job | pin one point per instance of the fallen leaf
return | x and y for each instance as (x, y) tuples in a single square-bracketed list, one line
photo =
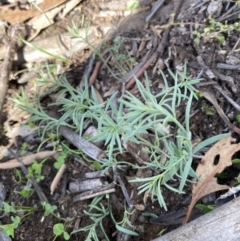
[(18, 15), (42, 21), (22, 131), (140, 207), (215, 161)]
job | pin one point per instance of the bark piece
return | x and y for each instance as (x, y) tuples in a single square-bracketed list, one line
[(220, 224), (82, 186)]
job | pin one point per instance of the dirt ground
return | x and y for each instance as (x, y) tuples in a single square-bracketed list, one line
[(204, 36)]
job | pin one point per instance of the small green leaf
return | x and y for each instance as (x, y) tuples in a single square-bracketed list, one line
[(31, 124), (49, 208), (16, 220), (96, 165), (58, 229), (133, 4), (235, 161), (8, 208), (66, 236), (26, 192), (222, 175), (221, 39), (8, 229), (238, 118), (205, 208), (60, 159)]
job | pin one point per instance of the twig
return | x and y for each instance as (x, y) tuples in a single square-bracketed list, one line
[(229, 99), (94, 73), (210, 97), (228, 79), (228, 66), (87, 71), (27, 160), (57, 178), (228, 14), (12, 46), (154, 9), (97, 192), (40, 193), (87, 147), (124, 190)]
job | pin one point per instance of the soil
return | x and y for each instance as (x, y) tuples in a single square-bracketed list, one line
[(202, 59)]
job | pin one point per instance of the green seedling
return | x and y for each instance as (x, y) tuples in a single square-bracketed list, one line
[(35, 171), (156, 113), (122, 61), (125, 225), (96, 212), (82, 35), (216, 30), (49, 209), (8, 208), (18, 175), (22, 212), (175, 164), (24, 148), (238, 118), (8, 229), (18, 209), (58, 230), (17, 219), (61, 159), (51, 137), (207, 109), (96, 166), (26, 192)]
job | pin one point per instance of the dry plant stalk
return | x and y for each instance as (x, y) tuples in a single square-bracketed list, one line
[(26, 160), (12, 43), (57, 178)]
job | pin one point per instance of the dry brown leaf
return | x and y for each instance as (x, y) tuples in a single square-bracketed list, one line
[(18, 16), (26, 160), (140, 207), (215, 161), (42, 21)]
